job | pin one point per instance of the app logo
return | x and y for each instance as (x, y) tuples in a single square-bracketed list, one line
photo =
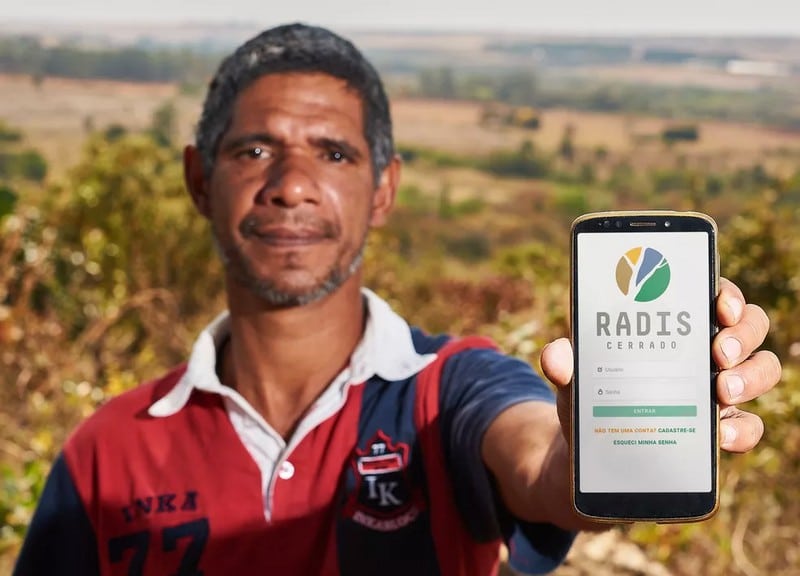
[(643, 274)]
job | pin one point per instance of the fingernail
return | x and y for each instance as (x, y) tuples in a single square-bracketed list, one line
[(728, 435), (735, 385), (732, 349), (735, 306)]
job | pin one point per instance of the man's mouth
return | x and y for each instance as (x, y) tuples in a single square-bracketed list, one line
[(288, 234), (284, 236)]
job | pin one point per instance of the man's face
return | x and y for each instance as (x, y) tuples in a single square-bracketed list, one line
[(292, 193)]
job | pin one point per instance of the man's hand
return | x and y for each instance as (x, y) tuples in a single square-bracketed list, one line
[(744, 375)]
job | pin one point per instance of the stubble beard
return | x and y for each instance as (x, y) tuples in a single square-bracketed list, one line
[(267, 289)]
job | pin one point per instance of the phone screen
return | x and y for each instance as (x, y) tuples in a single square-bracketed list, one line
[(642, 332)]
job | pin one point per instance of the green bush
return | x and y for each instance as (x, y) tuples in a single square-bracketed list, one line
[(525, 162), (8, 134), (8, 199), (28, 165), (680, 133)]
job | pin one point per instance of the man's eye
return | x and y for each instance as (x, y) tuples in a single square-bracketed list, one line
[(255, 152), (337, 156)]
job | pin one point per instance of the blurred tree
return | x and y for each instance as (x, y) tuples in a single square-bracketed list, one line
[(164, 124), (680, 133), (566, 148), (129, 234), (8, 199), (31, 165), (9, 134), (114, 132), (27, 164), (525, 162), (438, 83), (519, 88)]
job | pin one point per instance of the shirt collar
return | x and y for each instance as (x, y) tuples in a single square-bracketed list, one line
[(386, 350)]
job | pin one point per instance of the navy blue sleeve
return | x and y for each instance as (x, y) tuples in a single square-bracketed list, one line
[(60, 538), (476, 386)]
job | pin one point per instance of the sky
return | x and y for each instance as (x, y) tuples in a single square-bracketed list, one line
[(748, 17)]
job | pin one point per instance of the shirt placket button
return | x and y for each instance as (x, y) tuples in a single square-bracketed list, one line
[(286, 471)]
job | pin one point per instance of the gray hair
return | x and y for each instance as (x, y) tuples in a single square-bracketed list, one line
[(296, 48)]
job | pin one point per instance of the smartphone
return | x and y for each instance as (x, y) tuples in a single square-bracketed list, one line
[(645, 418)]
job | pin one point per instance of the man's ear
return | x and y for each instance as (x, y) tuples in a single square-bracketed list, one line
[(385, 193), (195, 179)]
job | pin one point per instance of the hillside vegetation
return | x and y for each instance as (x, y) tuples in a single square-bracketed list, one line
[(106, 275)]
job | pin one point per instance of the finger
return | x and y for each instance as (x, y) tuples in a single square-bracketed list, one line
[(730, 303), (557, 362), (755, 376), (735, 343), (740, 431)]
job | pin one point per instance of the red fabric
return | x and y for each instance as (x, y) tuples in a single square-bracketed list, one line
[(458, 553), (145, 479)]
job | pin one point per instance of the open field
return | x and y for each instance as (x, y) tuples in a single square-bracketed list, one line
[(56, 115), (454, 126)]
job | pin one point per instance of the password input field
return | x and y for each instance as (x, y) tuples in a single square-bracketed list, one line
[(641, 390)]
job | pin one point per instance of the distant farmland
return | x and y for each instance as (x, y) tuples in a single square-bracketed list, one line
[(56, 114)]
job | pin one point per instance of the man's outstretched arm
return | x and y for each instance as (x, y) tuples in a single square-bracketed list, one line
[(526, 449)]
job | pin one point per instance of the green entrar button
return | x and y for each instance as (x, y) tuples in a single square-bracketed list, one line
[(644, 411)]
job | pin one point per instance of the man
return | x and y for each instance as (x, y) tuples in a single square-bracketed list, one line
[(312, 431)]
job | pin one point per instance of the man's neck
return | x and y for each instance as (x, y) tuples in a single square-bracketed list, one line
[(281, 360)]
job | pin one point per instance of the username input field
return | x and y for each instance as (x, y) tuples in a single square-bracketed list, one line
[(642, 370)]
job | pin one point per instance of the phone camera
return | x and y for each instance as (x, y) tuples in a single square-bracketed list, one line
[(618, 224), (606, 224), (667, 224)]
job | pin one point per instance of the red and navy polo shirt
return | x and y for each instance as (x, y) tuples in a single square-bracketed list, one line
[(383, 475)]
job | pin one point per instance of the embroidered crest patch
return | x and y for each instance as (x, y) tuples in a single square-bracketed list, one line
[(383, 498)]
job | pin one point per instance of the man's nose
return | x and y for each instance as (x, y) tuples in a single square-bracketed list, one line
[(291, 182)]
